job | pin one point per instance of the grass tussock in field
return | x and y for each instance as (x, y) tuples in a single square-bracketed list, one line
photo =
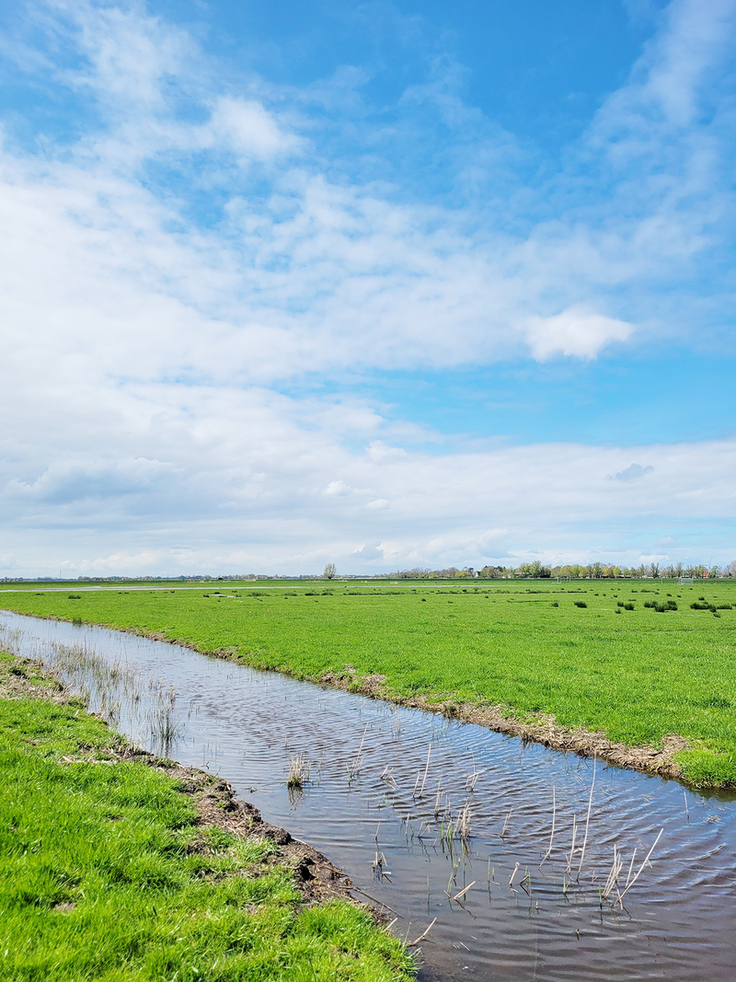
[(590, 654), (107, 872)]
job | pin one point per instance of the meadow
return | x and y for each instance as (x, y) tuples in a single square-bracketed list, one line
[(106, 872), (637, 660)]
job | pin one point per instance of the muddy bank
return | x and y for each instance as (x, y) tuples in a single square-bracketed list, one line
[(217, 806), (541, 728), (213, 798)]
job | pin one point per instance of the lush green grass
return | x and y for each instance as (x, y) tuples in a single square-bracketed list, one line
[(96, 881), (638, 675)]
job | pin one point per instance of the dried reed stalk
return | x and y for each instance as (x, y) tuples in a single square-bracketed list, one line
[(426, 771), (552, 833), (587, 820), (461, 894), (612, 880), (639, 871), (422, 936), (511, 878), (568, 869)]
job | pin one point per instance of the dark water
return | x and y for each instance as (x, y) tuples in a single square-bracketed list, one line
[(364, 802)]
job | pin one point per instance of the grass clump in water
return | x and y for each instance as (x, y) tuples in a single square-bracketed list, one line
[(299, 771)]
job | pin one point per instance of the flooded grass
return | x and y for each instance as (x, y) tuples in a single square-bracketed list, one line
[(103, 686), (105, 871), (636, 678)]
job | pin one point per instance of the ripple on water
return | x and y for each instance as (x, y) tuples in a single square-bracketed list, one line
[(362, 806)]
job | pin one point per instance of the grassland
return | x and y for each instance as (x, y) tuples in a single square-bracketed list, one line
[(576, 651), (108, 872)]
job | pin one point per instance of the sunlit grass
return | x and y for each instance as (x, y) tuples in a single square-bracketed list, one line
[(96, 881), (636, 674)]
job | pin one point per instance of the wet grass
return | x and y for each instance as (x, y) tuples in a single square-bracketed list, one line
[(635, 673), (96, 881)]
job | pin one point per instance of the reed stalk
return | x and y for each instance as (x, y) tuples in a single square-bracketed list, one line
[(299, 771), (513, 875), (461, 894), (587, 820), (568, 868), (612, 880), (552, 834), (426, 771), (639, 871)]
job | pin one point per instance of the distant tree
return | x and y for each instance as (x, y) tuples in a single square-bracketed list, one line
[(730, 570), (444, 574), (492, 572), (654, 569), (534, 570), (330, 571)]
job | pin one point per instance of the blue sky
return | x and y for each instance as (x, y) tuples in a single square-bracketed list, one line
[(381, 284)]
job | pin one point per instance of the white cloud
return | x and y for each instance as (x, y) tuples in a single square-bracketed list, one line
[(249, 129), (140, 339), (576, 332), (369, 552), (670, 74), (244, 485), (319, 274), (380, 504), (337, 487)]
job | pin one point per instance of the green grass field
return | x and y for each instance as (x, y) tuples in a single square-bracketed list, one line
[(97, 882), (636, 674)]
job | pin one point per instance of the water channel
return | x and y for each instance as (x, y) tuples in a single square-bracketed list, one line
[(437, 819)]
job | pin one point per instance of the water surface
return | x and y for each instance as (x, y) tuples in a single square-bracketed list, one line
[(378, 810)]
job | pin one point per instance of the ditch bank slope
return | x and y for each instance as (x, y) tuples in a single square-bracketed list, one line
[(138, 865)]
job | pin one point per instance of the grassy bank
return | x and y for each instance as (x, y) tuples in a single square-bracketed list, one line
[(613, 657), (116, 867)]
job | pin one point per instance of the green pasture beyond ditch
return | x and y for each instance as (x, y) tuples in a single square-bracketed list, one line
[(105, 872), (575, 650)]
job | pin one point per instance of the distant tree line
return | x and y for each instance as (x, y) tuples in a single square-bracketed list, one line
[(530, 571), (575, 571)]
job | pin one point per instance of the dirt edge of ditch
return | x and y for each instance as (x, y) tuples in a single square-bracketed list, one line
[(540, 728), (213, 798)]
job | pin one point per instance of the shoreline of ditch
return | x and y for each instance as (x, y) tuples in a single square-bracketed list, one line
[(540, 728), (214, 798)]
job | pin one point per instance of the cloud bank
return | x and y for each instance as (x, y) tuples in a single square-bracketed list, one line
[(200, 244)]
